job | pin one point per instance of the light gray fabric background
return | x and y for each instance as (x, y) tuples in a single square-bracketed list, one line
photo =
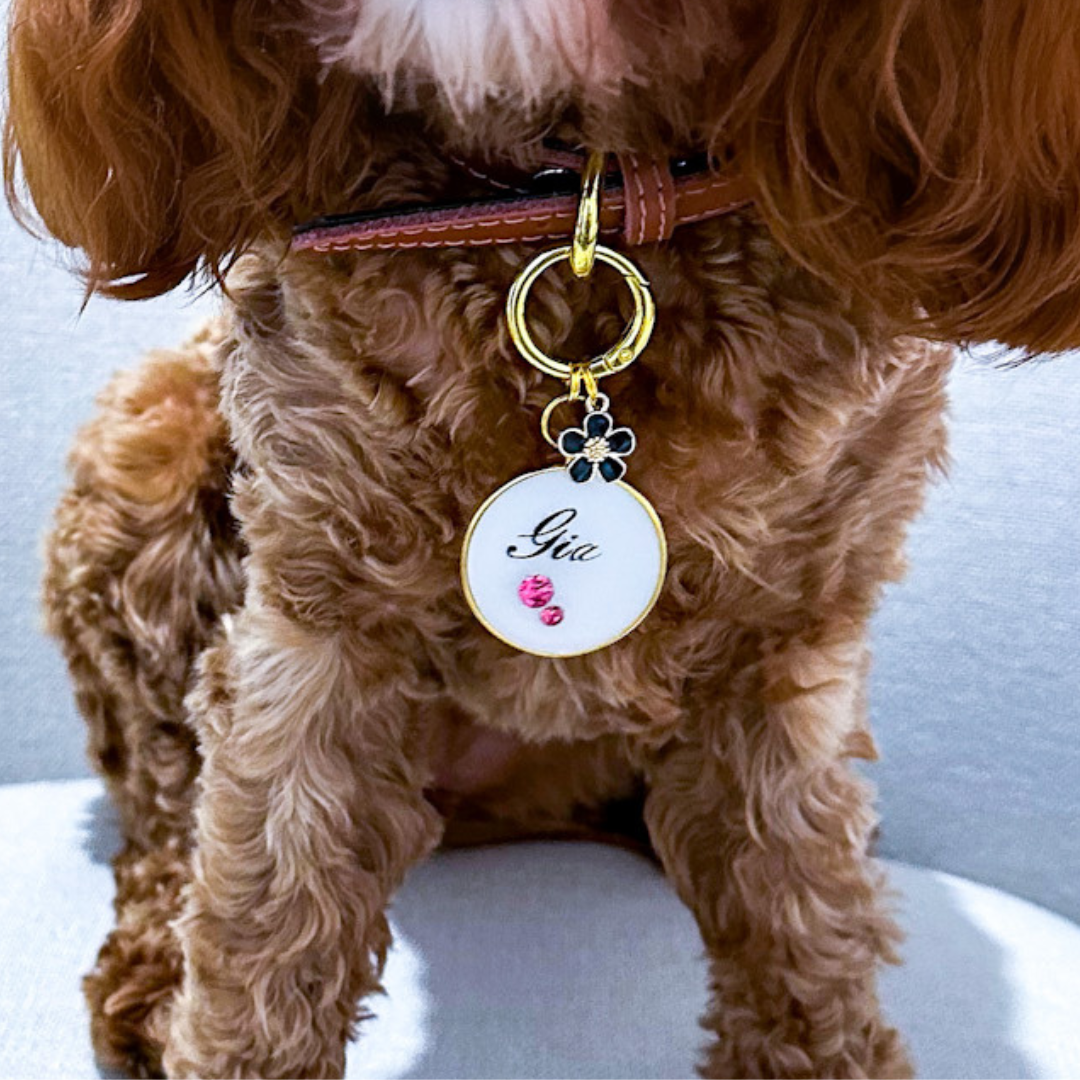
[(544, 960), (976, 688)]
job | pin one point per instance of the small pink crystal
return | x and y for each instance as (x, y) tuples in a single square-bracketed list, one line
[(551, 616), (536, 591)]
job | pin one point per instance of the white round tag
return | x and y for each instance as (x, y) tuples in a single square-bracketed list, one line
[(558, 568)]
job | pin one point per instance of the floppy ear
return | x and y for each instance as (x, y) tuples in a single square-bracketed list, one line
[(153, 134), (926, 154)]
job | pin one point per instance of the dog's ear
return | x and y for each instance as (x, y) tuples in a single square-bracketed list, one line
[(926, 154), (156, 134)]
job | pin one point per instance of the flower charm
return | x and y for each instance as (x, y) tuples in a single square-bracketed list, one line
[(596, 447)]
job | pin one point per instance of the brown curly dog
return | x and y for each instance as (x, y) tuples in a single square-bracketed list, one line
[(254, 574)]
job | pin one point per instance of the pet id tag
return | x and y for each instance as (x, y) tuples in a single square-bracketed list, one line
[(570, 559), (558, 568)]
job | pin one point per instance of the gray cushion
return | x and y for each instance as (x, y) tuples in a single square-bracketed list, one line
[(542, 960)]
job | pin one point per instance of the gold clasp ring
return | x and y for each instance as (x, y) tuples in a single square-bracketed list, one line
[(581, 255), (623, 353)]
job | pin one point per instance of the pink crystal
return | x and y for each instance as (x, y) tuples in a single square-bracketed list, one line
[(551, 616), (536, 591)]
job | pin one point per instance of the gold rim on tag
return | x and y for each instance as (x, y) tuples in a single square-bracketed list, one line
[(482, 618)]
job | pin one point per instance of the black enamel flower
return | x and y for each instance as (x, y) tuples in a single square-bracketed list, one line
[(596, 447)]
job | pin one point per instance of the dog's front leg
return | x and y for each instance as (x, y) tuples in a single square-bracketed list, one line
[(763, 828), (310, 813)]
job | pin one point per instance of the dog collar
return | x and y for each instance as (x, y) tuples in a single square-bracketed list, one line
[(644, 201)]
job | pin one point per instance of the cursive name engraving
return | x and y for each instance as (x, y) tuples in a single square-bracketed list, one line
[(552, 537)]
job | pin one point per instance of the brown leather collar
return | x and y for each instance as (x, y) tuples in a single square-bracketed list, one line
[(643, 199)]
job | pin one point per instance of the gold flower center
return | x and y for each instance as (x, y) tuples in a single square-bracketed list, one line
[(596, 449)]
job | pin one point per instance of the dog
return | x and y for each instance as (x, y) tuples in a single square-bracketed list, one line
[(254, 573)]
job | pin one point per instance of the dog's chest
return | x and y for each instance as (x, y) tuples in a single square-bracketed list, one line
[(782, 450)]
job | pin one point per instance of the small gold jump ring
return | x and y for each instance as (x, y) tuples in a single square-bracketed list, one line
[(587, 226), (574, 393), (580, 376), (599, 403), (623, 353), (545, 418)]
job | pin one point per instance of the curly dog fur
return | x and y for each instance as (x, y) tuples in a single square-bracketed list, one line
[(254, 572)]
